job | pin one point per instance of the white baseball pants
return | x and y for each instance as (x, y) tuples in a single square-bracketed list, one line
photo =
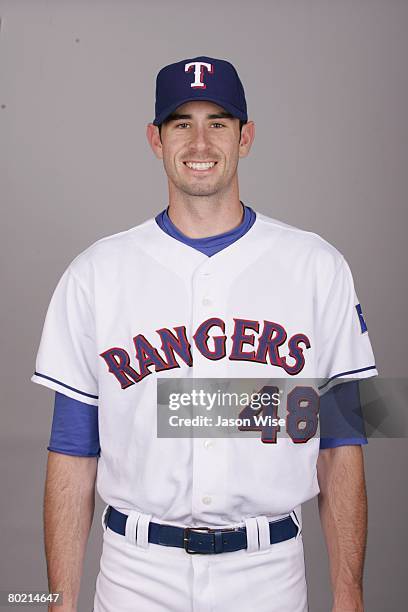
[(144, 577)]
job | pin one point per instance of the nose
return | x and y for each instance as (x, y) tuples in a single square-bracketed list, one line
[(199, 138)]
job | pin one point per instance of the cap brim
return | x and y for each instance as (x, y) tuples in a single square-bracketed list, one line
[(230, 108)]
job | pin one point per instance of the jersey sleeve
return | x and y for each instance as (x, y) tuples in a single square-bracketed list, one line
[(345, 352), (67, 360), (344, 349)]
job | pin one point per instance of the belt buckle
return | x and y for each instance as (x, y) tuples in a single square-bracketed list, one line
[(202, 529), (186, 539)]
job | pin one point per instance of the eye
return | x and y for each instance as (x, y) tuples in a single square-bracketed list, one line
[(218, 124), (181, 125)]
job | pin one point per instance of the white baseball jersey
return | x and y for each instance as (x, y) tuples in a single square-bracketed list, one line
[(279, 302)]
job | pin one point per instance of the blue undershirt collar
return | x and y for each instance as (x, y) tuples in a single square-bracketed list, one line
[(213, 244)]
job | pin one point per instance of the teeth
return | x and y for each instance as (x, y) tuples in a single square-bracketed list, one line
[(200, 165)]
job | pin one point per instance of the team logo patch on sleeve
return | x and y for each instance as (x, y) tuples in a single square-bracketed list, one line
[(363, 324)]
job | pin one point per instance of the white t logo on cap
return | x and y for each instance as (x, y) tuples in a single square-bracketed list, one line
[(198, 72)]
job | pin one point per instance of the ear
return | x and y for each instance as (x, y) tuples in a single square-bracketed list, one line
[(153, 136), (247, 138)]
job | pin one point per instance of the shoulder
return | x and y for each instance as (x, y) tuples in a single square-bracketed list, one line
[(304, 246), (109, 250)]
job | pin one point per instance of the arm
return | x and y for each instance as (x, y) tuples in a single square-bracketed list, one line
[(343, 514), (69, 502)]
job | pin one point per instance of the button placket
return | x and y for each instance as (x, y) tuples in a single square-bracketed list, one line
[(208, 455)]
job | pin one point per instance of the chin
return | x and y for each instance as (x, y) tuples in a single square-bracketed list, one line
[(198, 190), (202, 193)]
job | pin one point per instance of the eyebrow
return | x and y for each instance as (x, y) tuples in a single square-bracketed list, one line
[(178, 116)]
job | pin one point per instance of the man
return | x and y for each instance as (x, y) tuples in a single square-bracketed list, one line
[(207, 289)]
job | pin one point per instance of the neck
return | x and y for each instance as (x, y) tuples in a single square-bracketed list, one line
[(204, 216)]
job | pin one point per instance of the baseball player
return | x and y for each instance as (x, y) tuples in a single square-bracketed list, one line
[(209, 288)]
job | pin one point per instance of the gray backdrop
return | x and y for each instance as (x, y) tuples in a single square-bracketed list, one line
[(326, 84)]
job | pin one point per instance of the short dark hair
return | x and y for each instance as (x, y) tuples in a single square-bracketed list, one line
[(241, 123)]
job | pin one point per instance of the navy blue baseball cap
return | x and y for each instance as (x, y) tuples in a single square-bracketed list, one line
[(199, 78)]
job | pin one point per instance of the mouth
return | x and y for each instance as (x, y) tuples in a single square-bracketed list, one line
[(201, 167)]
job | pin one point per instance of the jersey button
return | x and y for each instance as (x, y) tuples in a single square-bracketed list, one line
[(208, 443), (207, 301), (207, 500)]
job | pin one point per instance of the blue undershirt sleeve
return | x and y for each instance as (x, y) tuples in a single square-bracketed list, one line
[(341, 417), (74, 428)]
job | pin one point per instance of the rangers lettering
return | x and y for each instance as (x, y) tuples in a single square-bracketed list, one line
[(213, 347), (201, 339), (118, 360)]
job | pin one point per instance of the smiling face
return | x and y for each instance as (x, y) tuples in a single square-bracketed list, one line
[(200, 146)]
